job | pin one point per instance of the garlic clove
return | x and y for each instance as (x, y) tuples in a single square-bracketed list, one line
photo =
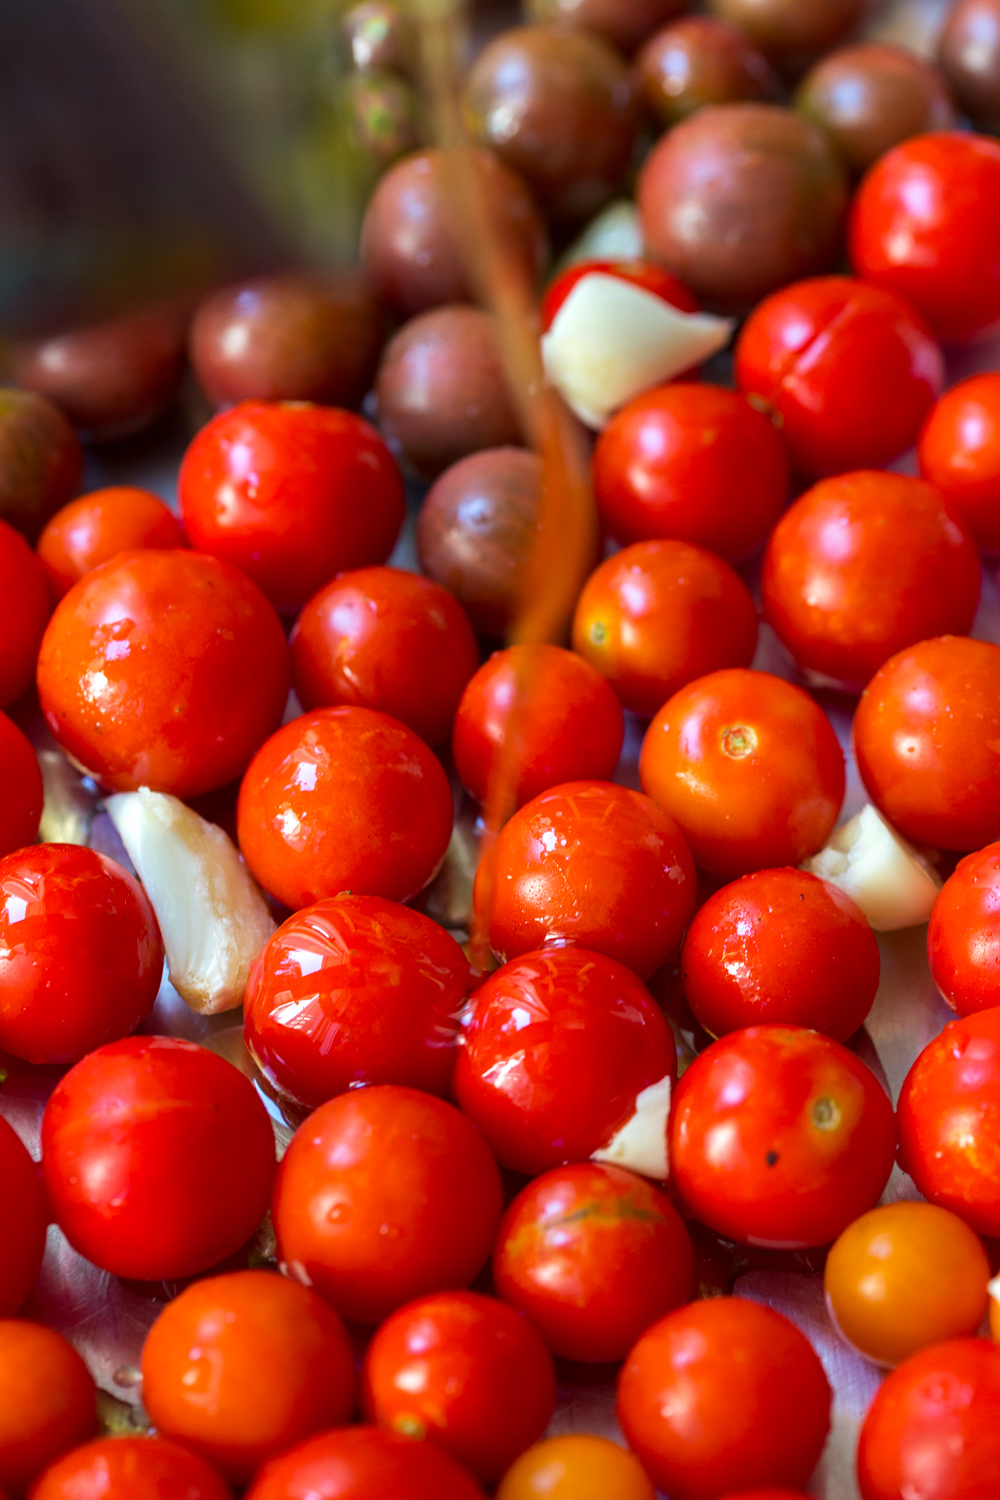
[(641, 1143), (891, 882), (213, 917), (616, 234)]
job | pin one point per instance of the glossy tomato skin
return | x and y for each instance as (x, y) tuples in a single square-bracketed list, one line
[(576, 1466), (593, 864), (593, 1256), (560, 1044), (291, 493), (23, 794), (749, 767), (932, 1429), (164, 669), (657, 615), (465, 1372), (344, 799), (26, 1219), (863, 566), (780, 947), (849, 370), (130, 1468), (158, 1158), (356, 990), (927, 742), (27, 607), (693, 462), (356, 1463), (48, 1400), (385, 1194), (82, 949), (96, 527), (724, 1392), (959, 452), (925, 224), (963, 941), (780, 1137), (642, 273), (563, 692), (949, 1121)]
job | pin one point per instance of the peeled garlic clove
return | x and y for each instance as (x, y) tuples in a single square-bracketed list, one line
[(212, 916), (641, 1143), (616, 234), (893, 884), (612, 339)]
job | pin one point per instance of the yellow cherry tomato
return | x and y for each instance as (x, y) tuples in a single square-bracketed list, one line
[(576, 1467)]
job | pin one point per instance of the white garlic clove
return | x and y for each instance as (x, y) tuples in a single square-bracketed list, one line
[(616, 234), (641, 1143), (891, 882), (213, 917)]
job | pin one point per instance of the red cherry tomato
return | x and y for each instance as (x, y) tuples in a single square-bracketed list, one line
[(96, 527), (464, 1371), (561, 693), (592, 1255), (849, 370), (724, 1392), (82, 952), (864, 565), (240, 1367), (26, 604), (22, 1242), (163, 669), (559, 1046), (963, 939), (783, 947), (48, 1400), (344, 799), (749, 767), (932, 1429), (949, 1121), (766, 1494), (385, 1194), (926, 738), (643, 273), (389, 640), (291, 493), (780, 1137), (356, 990), (358, 1463), (158, 1158), (959, 452), (130, 1468), (594, 864), (23, 793), (926, 225), (659, 614)]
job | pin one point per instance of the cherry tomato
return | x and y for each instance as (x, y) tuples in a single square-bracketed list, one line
[(963, 943), (385, 1194), (595, 864), (130, 1468), (724, 1392), (849, 370), (659, 614), (861, 567), (163, 669), (82, 952), (48, 1400), (949, 1121), (22, 1242), (576, 1466), (695, 462), (780, 946), (388, 640), (593, 1255), (358, 1463), (643, 273), (240, 1367), (904, 1276), (291, 493), (158, 1158), (464, 1371), (927, 742), (959, 452), (925, 224), (780, 1137), (932, 1429), (560, 692), (25, 596), (23, 793), (749, 767), (559, 1046), (96, 527), (344, 799), (356, 990), (767, 1494)]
